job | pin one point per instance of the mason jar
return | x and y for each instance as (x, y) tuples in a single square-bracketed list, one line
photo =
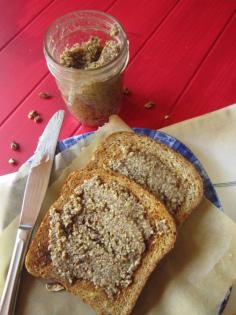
[(92, 95)]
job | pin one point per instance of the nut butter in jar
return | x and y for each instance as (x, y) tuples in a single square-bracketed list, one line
[(87, 53)]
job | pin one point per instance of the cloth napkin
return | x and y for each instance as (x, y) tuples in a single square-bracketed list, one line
[(210, 137)]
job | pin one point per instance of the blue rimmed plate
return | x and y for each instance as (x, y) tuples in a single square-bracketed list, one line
[(209, 190)]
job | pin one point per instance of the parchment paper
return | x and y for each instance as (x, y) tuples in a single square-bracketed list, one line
[(193, 279)]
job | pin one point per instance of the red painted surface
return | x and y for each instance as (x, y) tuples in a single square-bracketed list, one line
[(25, 66), (183, 57), (17, 15), (214, 84)]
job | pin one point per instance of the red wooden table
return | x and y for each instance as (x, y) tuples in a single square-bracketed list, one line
[(183, 57)]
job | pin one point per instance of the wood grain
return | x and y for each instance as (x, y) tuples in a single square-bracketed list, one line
[(17, 15), (22, 61), (172, 43), (214, 84), (140, 22), (47, 84), (170, 57)]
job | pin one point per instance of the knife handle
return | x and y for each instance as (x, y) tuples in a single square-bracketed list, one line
[(9, 296)]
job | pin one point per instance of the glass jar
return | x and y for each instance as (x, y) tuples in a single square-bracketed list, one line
[(92, 95)]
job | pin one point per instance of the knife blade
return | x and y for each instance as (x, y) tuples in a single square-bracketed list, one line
[(40, 171), (35, 190)]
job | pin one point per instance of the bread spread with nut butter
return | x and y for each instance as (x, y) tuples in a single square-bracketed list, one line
[(156, 167), (101, 240)]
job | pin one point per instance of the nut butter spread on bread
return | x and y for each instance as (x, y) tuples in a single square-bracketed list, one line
[(156, 167), (101, 240)]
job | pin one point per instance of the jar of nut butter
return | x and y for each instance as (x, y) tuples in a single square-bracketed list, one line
[(87, 53)]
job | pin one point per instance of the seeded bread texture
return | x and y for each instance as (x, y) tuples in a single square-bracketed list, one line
[(147, 162), (38, 260)]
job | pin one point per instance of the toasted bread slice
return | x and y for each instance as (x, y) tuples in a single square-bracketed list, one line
[(38, 260), (156, 167)]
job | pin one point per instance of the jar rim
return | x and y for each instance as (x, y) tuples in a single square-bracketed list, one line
[(91, 70)]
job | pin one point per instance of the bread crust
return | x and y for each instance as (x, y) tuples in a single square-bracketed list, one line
[(111, 148), (38, 261)]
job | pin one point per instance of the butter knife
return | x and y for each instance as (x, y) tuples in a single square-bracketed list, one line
[(35, 190)]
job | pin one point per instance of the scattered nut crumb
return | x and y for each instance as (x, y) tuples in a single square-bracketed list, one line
[(15, 146), (44, 95), (54, 287), (149, 105), (37, 119), (32, 114), (166, 116), (12, 161), (126, 91)]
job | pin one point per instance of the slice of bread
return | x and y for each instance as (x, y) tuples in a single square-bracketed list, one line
[(156, 167), (38, 260)]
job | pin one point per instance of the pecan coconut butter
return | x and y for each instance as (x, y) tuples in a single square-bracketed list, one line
[(87, 53), (91, 54), (100, 235), (96, 98), (143, 169)]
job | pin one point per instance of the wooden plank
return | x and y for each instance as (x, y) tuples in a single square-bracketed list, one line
[(32, 101), (25, 53), (15, 15), (169, 59), (166, 65), (140, 22), (214, 84), (31, 69), (22, 61), (26, 131), (150, 16)]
